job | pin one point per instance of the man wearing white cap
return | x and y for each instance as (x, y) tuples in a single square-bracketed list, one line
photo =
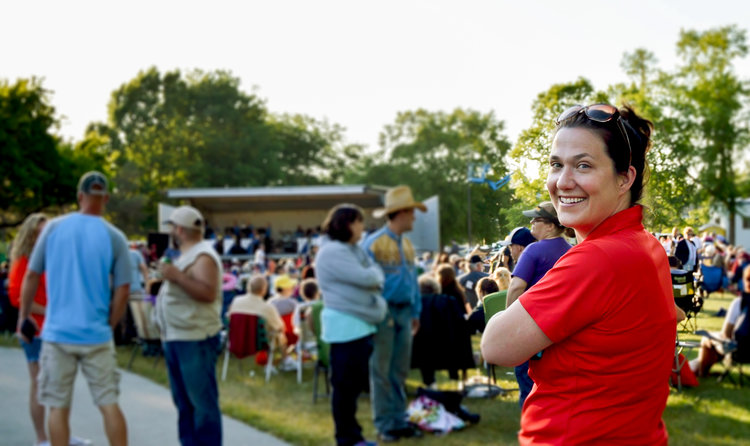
[(391, 358), (188, 312)]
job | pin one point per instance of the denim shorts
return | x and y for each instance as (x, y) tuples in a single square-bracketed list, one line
[(32, 349)]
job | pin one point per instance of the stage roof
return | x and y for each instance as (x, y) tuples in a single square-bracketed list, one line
[(323, 197)]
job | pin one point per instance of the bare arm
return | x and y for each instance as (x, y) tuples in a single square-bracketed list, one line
[(144, 272), (119, 304), (512, 337), (516, 288), (727, 330), (200, 281), (37, 309), (681, 316), (28, 290)]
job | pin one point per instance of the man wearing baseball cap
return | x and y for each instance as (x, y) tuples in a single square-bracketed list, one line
[(391, 358), (533, 264), (188, 311), (88, 271), (469, 279)]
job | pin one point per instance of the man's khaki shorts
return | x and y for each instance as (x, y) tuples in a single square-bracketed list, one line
[(59, 365)]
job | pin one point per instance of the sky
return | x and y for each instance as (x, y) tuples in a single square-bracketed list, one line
[(353, 63)]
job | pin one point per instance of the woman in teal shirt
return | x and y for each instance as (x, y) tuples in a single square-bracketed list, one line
[(351, 285)]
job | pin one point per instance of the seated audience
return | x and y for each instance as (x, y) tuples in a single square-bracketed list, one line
[(713, 348), (484, 287), (253, 303)]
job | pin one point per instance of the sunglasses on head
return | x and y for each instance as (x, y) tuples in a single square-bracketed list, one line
[(599, 113)]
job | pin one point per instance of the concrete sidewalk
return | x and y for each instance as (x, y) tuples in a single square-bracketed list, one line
[(148, 409)]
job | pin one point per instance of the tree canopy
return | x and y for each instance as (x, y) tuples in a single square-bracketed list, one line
[(201, 129), (431, 152), (37, 171)]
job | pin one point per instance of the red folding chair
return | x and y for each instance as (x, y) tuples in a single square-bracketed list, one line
[(248, 336)]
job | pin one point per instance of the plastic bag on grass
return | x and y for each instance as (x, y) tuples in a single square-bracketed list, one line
[(431, 416)]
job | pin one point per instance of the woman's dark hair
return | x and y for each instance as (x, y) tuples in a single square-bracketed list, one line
[(638, 132), (308, 289), (486, 286), (336, 224), (446, 276), (308, 272)]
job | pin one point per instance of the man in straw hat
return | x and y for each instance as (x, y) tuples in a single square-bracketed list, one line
[(391, 357)]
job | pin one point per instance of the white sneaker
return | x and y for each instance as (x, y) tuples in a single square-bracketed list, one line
[(44, 443), (78, 441)]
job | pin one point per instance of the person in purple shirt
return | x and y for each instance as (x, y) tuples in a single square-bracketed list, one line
[(538, 258)]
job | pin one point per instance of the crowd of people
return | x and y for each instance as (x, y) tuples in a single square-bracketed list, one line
[(591, 346)]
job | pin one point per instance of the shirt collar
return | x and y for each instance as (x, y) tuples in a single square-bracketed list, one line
[(630, 218), (392, 234)]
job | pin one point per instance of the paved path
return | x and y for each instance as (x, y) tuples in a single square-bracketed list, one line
[(148, 408)]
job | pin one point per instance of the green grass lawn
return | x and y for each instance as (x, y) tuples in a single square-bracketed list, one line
[(711, 414)]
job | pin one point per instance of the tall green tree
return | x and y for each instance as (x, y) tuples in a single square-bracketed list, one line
[(199, 129), (530, 154), (36, 171), (667, 195), (431, 152), (707, 115)]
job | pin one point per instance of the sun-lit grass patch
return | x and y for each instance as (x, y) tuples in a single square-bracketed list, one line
[(711, 414)]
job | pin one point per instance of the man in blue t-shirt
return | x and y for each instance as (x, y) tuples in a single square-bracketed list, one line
[(88, 272), (538, 258)]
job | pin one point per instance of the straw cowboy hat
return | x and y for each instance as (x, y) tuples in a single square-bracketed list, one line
[(396, 199)]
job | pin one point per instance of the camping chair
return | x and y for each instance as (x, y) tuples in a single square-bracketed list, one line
[(493, 304), (299, 331), (148, 339), (680, 361), (683, 289), (323, 362), (711, 279), (734, 360), (248, 336)]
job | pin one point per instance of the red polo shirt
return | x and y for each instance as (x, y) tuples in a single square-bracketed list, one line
[(607, 306)]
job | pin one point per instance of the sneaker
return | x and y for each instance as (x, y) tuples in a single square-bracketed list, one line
[(366, 443), (44, 443), (78, 441)]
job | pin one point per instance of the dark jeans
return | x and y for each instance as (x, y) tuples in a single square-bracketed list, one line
[(349, 376), (192, 377), (525, 383)]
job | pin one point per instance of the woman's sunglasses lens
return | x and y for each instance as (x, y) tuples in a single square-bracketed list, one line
[(601, 112), (570, 111)]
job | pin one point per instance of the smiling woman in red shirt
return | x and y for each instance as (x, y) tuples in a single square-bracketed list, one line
[(604, 315)]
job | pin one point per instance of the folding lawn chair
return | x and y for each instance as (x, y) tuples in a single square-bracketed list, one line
[(323, 362), (683, 288), (493, 304), (711, 279), (248, 336), (148, 338), (299, 331)]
